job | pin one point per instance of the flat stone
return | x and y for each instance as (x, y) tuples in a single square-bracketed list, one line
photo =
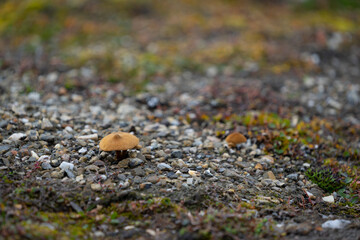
[(279, 183), (335, 224), (269, 175), (4, 148), (139, 171), (82, 150), (299, 228), (92, 168), (293, 176), (88, 137), (96, 187), (268, 159), (243, 164), (153, 179), (47, 138), (172, 175), (124, 163), (164, 166), (193, 173), (231, 174), (156, 127), (17, 136), (329, 199), (57, 174)]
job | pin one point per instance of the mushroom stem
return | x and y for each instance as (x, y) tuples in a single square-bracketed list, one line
[(121, 154)]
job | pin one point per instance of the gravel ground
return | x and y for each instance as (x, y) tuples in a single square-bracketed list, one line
[(49, 144), (183, 181)]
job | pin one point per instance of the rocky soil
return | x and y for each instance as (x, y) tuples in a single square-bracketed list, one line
[(296, 176), (184, 174)]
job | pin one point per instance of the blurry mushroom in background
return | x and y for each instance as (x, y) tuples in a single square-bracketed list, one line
[(119, 142), (235, 138)]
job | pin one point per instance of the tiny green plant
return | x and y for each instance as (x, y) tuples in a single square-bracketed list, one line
[(325, 179)]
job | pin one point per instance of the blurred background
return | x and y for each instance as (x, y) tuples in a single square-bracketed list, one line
[(135, 42)]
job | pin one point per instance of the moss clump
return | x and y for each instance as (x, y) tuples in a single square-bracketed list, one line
[(325, 179)]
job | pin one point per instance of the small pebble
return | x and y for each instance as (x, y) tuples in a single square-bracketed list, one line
[(164, 166), (66, 165)]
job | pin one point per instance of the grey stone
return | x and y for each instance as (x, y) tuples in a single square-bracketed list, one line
[(207, 173), (33, 135), (66, 165), (231, 174), (134, 162), (46, 124), (243, 164), (47, 137), (70, 173), (122, 177), (153, 179), (3, 123), (138, 179), (139, 171), (4, 148), (46, 166), (176, 154), (293, 176), (164, 166), (152, 102), (172, 175)]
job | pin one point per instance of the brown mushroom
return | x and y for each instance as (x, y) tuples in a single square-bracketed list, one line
[(119, 142), (235, 138)]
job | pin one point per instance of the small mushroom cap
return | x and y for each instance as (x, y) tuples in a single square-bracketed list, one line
[(235, 138), (118, 141)]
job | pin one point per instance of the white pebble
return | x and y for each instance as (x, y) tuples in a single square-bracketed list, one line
[(44, 158), (83, 150), (306, 165), (16, 136), (66, 165), (34, 155), (69, 129), (88, 137), (190, 181), (335, 224), (329, 199)]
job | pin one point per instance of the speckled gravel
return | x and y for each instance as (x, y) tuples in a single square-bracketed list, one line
[(54, 135)]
